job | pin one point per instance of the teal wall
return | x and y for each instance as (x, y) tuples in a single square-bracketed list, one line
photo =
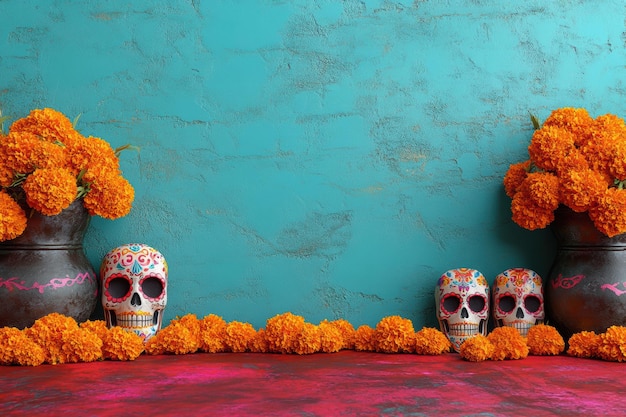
[(328, 158)]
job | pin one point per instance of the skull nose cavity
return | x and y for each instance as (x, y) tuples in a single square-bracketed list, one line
[(520, 313), (464, 313), (135, 301)]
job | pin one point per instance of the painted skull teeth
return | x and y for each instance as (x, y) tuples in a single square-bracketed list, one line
[(135, 320), (464, 329), (522, 327)]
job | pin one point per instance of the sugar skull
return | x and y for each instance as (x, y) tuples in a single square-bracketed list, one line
[(134, 288), (518, 299), (462, 299)]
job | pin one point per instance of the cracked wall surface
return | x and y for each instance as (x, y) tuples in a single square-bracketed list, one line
[(327, 158)]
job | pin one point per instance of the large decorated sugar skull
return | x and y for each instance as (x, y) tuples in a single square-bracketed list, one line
[(462, 298), (518, 299), (134, 288)]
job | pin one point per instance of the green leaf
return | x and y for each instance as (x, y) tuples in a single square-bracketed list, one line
[(535, 121), (128, 146), (75, 121)]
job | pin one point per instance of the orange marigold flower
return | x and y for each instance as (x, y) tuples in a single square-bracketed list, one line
[(331, 338), (549, 146), (98, 327), (120, 344), (616, 164), (23, 152), (282, 332), (582, 188), (6, 176), (584, 344), (575, 159), (543, 339), (347, 332), (364, 338), (609, 214), (110, 195), (49, 124), (259, 344), (213, 334), (47, 332), (613, 344), (598, 152), (528, 215), (92, 153), (507, 343), (17, 349), (431, 341), (605, 150), (309, 340), (239, 336), (50, 190), (176, 338), (13, 220), (476, 349), (16, 150), (514, 177), (394, 334), (80, 345), (191, 322), (577, 121), (542, 188)]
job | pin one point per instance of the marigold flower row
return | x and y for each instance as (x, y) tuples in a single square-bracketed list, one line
[(57, 339)]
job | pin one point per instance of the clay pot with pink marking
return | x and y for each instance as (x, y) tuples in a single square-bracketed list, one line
[(586, 286), (45, 270)]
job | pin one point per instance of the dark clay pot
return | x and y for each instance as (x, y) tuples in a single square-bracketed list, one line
[(45, 270), (586, 286)]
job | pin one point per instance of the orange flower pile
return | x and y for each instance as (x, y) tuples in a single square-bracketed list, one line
[(544, 340), (430, 341), (609, 346), (47, 164), (394, 334), (56, 339), (576, 161), (584, 344), (507, 343)]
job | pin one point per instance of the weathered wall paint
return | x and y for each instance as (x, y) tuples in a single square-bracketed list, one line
[(326, 158)]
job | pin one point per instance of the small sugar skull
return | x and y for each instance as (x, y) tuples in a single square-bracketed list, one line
[(134, 288), (518, 299), (462, 298)]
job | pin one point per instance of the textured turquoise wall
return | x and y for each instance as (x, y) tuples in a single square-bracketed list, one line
[(327, 158)]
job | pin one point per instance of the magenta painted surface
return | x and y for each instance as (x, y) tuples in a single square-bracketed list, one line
[(346, 383)]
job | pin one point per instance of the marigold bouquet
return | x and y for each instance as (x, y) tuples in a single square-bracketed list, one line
[(46, 164), (576, 161)]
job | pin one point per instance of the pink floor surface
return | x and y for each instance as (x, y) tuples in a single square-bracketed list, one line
[(347, 383)]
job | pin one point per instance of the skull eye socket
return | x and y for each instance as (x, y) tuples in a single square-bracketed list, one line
[(506, 303), (532, 303), (477, 303), (152, 287), (118, 288), (451, 303)]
